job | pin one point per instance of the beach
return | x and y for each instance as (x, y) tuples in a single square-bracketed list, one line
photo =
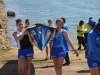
[(9, 65), (8, 57)]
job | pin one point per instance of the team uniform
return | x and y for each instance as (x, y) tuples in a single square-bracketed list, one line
[(58, 49), (66, 27), (25, 48), (93, 48)]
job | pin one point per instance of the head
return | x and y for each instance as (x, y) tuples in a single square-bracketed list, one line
[(92, 23), (98, 26), (27, 22), (81, 22), (99, 20), (50, 22), (90, 18), (19, 24), (64, 20), (59, 23)]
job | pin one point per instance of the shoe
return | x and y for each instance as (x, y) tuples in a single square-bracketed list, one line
[(46, 58), (84, 48), (66, 64), (79, 48), (50, 57)]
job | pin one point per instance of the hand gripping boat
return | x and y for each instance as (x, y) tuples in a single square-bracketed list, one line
[(41, 35)]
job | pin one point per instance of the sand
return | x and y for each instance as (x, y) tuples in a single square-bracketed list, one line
[(9, 65)]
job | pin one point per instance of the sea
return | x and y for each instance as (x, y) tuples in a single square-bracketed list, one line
[(40, 11)]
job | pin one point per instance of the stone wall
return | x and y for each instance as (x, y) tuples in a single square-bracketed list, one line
[(4, 40)]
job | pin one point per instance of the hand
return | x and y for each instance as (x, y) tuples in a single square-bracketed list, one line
[(76, 53), (26, 30), (85, 57)]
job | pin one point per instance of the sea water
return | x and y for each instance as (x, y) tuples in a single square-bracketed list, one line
[(40, 11)]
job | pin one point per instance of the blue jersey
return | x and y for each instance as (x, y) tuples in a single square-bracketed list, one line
[(66, 27), (93, 45), (58, 39)]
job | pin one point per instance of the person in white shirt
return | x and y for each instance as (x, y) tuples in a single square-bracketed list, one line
[(50, 43)]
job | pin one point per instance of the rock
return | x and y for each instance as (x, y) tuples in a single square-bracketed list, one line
[(3, 24), (0, 26), (11, 14), (1, 2), (4, 40)]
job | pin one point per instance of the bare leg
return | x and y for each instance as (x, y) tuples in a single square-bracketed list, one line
[(21, 64), (50, 46), (46, 53), (94, 71), (99, 70), (60, 63), (28, 65), (55, 60)]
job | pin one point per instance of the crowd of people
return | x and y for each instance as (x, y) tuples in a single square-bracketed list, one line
[(82, 31), (88, 35)]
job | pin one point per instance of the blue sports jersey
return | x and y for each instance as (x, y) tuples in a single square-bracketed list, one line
[(66, 27), (93, 45), (58, 39)]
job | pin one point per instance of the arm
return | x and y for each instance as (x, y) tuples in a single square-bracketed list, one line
[(86, 51), (69, 41), (19, 36), (30, 37), (80, 30), (53, 34)]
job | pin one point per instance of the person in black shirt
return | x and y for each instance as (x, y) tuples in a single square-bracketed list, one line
[(25, 49)]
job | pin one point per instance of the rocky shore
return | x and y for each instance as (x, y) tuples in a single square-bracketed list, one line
[(4, 40)]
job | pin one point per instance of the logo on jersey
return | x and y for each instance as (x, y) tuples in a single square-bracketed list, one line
[(33, 32), (95, 64)]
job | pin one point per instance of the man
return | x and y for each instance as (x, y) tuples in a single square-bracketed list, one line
[(50, 43), (68, 47)]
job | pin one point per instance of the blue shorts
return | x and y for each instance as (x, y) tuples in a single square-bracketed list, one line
[(92, 63), (24, 53), (58, 52)]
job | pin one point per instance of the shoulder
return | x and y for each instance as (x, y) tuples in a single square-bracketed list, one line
[(91, 33), (16, 32), (78, 26), (65, 32), (65, 25)]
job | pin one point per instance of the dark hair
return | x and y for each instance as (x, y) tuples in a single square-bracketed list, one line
[(60, 21), (49, 20), (26, 20), (97, 26), (90, 18), (81, 22), (64, 20), (18, 20), (93, 26)]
